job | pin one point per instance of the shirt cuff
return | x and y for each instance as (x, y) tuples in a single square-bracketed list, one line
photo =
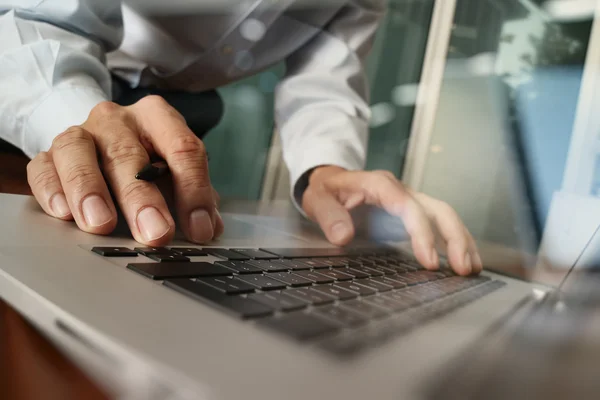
[(61, 109)]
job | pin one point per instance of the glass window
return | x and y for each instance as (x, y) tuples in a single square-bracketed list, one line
[(504, 117)]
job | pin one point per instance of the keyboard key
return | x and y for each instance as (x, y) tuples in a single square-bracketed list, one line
[(335, 262), (386, 302), (342, 316), (295, 265), (397, 268), (432, 275), (336, 274), (315, 263), (300, 326), (308, 253), (365, 261), (310, 296), (356, 273), (366, 270), (358, 289), (227, 285), (417, 276), (405, 279), (239, 306), (115, 252), (387, 280), (378, 260), (168, 257), (314, 276), (146, 251), (352, 273), (279, 301), (337, 292), (383, 270), (380, 287), (262, 282), (226, 254), (255, 254), (189, 251), (268, 265), (290, 279), (240, 267), (162, 271), (368, 310)]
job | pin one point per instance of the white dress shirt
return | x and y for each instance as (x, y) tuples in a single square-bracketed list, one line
[(56, 57)]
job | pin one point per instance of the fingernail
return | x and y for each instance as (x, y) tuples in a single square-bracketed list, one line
[(59, 205), (152, 224), (95, 211), (201, 226), (468, 265), (435, 260), (339, 232)]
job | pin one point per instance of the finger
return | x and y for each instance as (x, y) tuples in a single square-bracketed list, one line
[(462, 252), (383, 190), (171, 138), (74, 155), (46, 188), (219, 224), (142, 203), (335, 220), (476, 257)]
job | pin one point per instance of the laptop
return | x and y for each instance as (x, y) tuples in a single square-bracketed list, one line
[(271, 312)]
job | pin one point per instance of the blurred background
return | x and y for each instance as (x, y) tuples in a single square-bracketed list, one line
[(502, 118)]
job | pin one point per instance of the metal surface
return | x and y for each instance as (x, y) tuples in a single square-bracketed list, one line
[(140, 334)]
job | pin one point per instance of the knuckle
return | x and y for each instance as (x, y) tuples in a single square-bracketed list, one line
[(105, 108), (81, 177), (73, 136), (196, 180), (39, 161), (386, 174), (153, 101), (134, 192), (383, 181), (118, 153), (44, 178), (187, 147), (446, 209)]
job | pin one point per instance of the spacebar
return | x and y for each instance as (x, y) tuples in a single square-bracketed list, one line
[(239, 306)]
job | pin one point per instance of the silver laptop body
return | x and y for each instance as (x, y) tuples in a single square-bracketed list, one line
[(140, 339)]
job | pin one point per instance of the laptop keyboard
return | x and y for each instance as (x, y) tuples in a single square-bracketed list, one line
[(343, 301)]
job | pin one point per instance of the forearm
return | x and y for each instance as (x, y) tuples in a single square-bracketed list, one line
[(322, 105)]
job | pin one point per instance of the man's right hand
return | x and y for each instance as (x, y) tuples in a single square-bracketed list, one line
[(72, 179)]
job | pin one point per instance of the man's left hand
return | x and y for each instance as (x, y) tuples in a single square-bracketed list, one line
[(333, 192)]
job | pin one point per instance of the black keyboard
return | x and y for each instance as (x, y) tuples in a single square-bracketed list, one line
[(343, 301)]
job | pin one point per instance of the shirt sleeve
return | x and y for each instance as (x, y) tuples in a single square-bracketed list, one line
[(322, 104), (52, 66)]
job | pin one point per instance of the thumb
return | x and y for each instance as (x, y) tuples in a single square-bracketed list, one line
[(333, 218)]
